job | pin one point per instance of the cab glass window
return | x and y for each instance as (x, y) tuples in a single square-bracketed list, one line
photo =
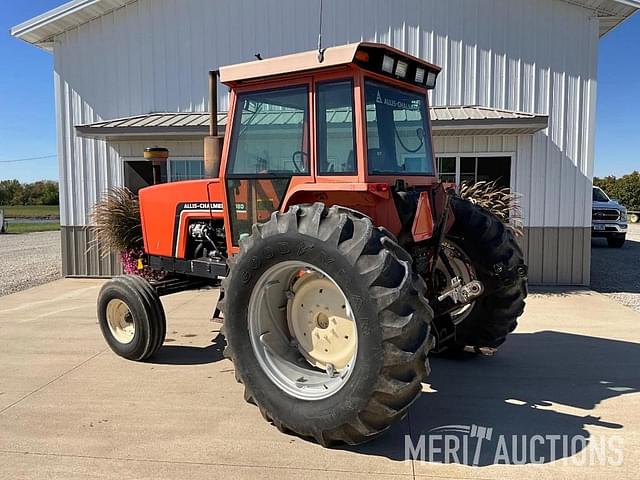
[(335, 130), (271, 133), (398, 138)]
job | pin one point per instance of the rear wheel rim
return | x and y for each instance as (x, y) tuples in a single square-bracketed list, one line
[(120, 321), (302, 330), (462, 268)]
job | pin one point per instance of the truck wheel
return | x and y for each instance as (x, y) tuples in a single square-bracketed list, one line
[(616, 242), (478, 244), (131, 317), (326, 324)]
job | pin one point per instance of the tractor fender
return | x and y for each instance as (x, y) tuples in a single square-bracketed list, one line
[(371, 199)]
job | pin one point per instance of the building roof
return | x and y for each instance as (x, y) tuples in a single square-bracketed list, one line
[(42, 30), (306, 61), (446, 121)]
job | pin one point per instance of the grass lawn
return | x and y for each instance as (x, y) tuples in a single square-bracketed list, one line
[(31, 211), (32, 227)]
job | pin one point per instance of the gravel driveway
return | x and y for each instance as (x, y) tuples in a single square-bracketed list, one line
[(27, 260), (616, 271)]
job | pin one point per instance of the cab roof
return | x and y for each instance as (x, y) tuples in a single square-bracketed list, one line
[(309, 61)]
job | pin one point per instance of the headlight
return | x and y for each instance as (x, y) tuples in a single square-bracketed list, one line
[(623, 215)]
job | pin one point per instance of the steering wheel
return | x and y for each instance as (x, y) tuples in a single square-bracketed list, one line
[(300, 168)]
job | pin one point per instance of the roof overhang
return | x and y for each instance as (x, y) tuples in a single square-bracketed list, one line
[(610, 12), (445, 121), (42, 30)]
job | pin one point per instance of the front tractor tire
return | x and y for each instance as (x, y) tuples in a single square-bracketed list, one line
[(496, 260), (326, 324), (131, 317)]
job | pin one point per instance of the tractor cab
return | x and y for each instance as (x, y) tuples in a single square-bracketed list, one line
[(316, 126)]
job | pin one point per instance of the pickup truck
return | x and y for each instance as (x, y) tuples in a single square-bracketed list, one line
[(608, 219)]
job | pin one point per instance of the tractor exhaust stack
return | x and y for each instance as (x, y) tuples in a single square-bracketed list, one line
[(213, 142)]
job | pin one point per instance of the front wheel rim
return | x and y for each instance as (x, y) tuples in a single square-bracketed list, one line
[(120, 321), (291, 302)]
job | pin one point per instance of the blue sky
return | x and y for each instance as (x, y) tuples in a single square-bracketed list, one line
[(27, 110)]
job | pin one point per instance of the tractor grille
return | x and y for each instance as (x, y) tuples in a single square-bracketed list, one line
[(606, 215)]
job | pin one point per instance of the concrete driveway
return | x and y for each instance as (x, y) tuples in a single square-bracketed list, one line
[(69, 408)]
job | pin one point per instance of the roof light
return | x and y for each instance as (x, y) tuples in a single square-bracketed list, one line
[(431, 79), (419, 75), (387, 64), (401, 69)]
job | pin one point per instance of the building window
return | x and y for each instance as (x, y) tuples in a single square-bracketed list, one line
[(186, 169), (467, 169), (447, 169), (139, 174)]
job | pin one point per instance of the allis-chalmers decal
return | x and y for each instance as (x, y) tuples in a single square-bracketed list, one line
[(210, 206)]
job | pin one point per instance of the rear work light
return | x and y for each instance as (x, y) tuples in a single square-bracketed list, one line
[(431, 79), (419, 75), (387, 64), (401, 69)]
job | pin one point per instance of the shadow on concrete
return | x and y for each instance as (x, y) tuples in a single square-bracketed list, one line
[(191, 355), (541, 383), (615, 270)]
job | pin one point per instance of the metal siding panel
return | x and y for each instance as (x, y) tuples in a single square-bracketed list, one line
[(481, 143), (66, 250), (578, 253), (586, 256), (550, 255), (80, 258), (523, 178), (509, 143), (466, 145), (535, 253), (523, 241), (565, 255), (495, 143)]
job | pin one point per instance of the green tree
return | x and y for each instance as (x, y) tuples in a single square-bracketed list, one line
[(625, 189), (44, 192), (9, 191)]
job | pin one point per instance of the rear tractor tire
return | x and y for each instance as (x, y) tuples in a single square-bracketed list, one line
[(326, 324), (131, 317), (487, 246)]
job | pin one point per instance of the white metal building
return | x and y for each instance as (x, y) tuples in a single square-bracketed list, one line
[(516, 98)]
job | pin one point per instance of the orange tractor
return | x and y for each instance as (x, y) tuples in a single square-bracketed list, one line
[(343, 260)]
